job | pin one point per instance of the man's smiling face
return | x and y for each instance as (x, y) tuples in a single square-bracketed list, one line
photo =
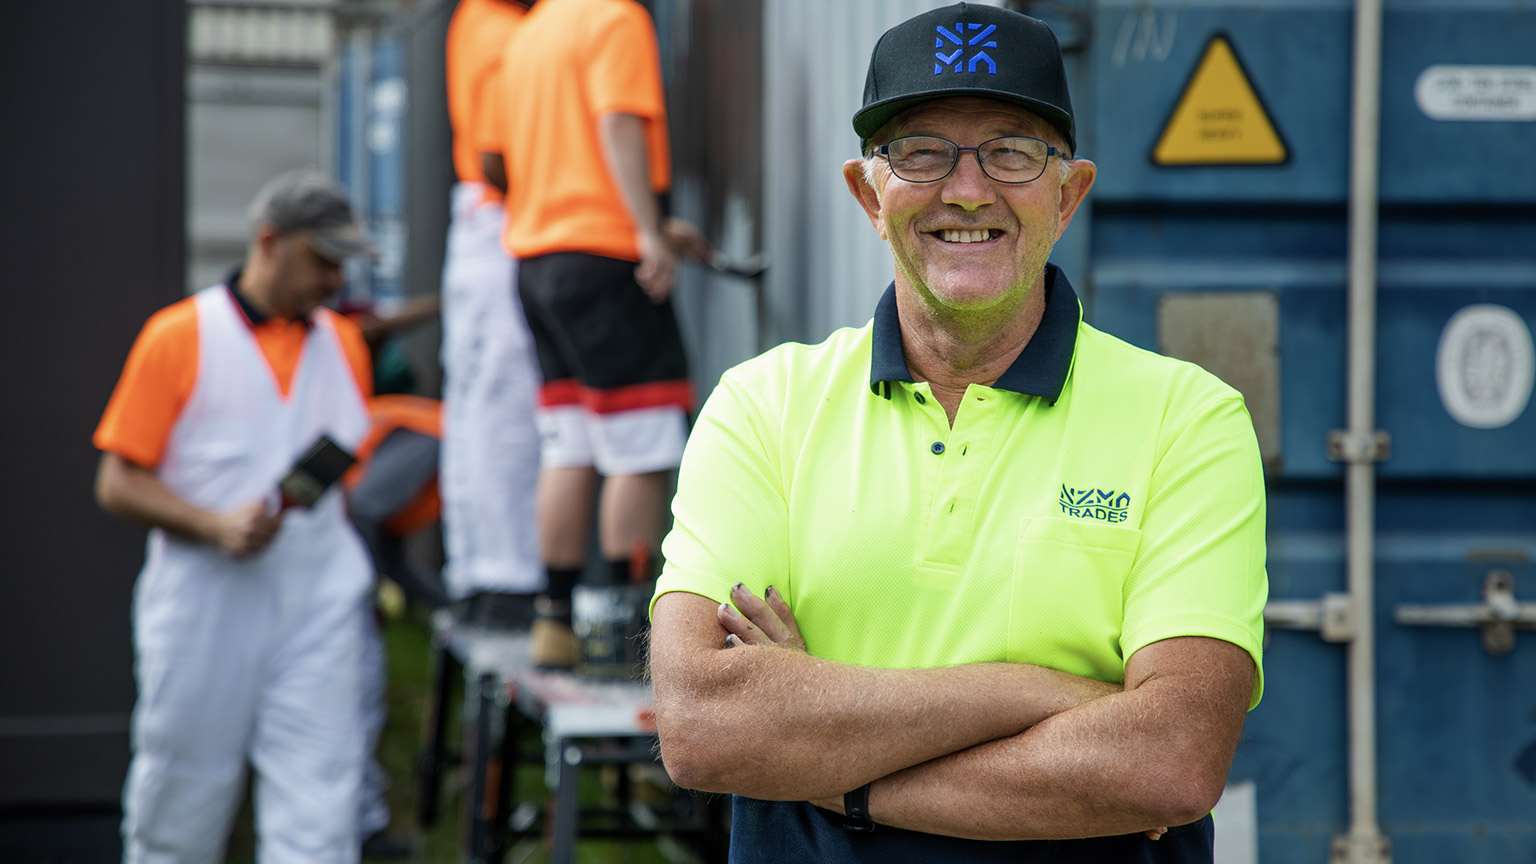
[(968, 245)]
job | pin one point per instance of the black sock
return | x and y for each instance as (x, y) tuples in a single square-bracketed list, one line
[(562, 580)]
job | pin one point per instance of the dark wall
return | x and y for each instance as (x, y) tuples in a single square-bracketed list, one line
[(91, 242)]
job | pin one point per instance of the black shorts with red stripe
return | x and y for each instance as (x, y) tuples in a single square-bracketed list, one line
[(601, 342)]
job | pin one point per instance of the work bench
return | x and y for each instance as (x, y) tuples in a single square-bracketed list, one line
[(583, 722)]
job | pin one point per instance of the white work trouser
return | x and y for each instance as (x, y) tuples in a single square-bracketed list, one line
[(236, 663), (490, 456)]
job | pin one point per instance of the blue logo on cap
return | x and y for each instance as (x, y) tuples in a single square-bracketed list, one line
[(955, 39)]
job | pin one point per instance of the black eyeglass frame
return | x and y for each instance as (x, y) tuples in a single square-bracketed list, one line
[(1050, 150)]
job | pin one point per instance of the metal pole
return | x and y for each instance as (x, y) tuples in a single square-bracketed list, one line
[(1364, 842)]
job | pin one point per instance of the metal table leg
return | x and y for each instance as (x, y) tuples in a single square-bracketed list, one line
[(567, 802), (481, 841), (429, 767)]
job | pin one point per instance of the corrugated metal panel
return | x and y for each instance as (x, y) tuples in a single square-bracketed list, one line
[(260, 34), (829, 264), (712, 65)]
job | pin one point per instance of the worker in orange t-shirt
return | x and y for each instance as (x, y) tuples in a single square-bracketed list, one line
[(578, 133), (490, 450), (248, 620)]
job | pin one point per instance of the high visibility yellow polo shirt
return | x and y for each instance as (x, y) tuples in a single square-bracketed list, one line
[(1095, 499)]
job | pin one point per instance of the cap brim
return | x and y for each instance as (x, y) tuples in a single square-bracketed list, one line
[(869, 119), (340, 242)]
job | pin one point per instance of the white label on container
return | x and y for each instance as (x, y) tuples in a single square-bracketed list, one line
[(1477, 92), (1485, 366)]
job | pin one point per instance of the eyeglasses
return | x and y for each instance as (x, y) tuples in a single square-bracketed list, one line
[(927, 159)]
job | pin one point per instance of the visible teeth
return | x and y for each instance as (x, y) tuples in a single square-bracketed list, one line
[(953, 235)]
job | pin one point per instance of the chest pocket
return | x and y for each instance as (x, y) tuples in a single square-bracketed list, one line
[(1067, 595)]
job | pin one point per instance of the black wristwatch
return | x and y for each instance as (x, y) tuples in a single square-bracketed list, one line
[(856, 810)]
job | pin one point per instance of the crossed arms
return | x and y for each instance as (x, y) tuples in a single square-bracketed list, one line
[(991, 751)]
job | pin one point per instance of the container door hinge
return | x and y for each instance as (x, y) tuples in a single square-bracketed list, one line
[(1498, 616), (1333, 616), (1345, 445), (1350, 849)]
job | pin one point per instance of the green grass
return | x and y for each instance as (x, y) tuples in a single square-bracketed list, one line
[(408, 642)]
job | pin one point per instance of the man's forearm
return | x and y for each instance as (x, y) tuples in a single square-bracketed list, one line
[(137, 494), (777, 724), (1146, 758), (628, 157)]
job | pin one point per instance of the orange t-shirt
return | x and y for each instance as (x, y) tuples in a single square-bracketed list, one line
[(477, 35), (570, 63), (162, 366)]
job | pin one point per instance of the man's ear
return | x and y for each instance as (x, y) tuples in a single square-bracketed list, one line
[(867, 196), (1074, 189), (266, 238)]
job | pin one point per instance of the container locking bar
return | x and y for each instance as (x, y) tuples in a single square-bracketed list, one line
[(1350, 447), (1498, 616), (1333, 616)]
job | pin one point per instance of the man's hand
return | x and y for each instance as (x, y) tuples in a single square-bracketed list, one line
[(658, 267), (686, 240), (245, 532), (761, 621)]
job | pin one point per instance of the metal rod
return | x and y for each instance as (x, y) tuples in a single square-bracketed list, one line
[(1360, 477)]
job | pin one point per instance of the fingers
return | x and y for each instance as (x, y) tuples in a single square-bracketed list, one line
[(765, 617), (655, 280), (249, 529), (760, 622), (780, 607), (686, 240), (739, 631)]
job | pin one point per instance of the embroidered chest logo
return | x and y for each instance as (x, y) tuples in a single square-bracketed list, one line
[(949, 48), (1102, 505)]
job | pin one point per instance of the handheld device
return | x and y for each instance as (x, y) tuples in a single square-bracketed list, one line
[(314, 472)]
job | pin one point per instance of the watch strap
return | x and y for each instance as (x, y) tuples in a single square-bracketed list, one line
[(856, 810)]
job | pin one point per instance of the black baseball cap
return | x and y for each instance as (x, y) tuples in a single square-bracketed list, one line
[(968, 49), (307, 200)]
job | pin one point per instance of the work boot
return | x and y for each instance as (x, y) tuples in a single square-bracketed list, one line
[(552, 642), (553, 645)]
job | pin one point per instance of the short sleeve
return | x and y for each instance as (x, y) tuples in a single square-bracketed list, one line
[(624, 75), (1200, 568), (156, 382), (730, 513)]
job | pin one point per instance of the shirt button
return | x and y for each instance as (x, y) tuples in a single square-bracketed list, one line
[(920, 399), (937, 448)]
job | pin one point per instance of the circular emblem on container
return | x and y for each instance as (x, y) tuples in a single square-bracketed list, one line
[(1485, 366)]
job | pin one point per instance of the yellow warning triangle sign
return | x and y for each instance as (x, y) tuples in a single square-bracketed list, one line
[(1219, 120)]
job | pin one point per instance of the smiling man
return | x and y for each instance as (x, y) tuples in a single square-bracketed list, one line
[(975, 581)]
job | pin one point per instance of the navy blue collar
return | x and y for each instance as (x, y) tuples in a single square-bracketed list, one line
[(1040, 369), (253, 316)]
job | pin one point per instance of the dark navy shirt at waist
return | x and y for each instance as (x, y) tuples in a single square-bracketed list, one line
[(775, 832)]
